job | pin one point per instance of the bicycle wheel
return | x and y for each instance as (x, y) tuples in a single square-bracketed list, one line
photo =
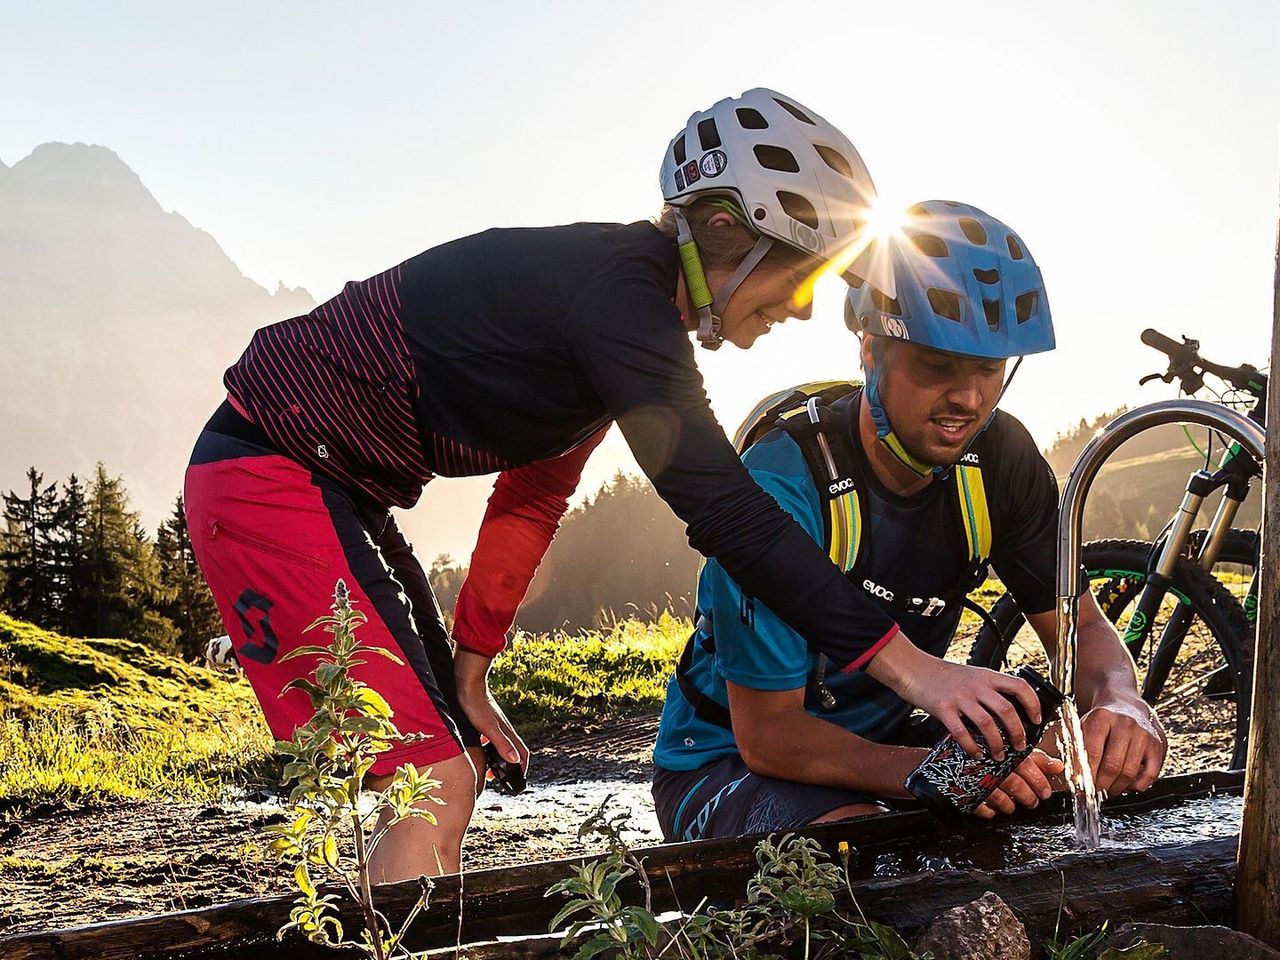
[(1204, 702)]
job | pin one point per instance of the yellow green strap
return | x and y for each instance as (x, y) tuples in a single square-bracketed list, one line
[(846, 530), (694, 278), (974, 512)]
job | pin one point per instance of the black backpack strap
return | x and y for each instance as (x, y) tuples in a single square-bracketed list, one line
[(704, 707), (817, 430)]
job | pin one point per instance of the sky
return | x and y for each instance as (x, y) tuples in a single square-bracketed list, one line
[(1132, 145)]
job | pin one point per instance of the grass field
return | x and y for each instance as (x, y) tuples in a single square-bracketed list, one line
[(82, 721), (86, 721)]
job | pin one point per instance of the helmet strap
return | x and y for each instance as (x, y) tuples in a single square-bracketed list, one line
[(695, 281), (711, 309), (749, 262), (884, 429)]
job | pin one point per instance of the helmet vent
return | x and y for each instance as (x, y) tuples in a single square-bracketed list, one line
[(751, 119), (945, 304), (835, 160), (678, 150), (987, 276), (919, 210), (930, 245), (795, 111), (708, 134), (777, 158), (885, 304), (992, 309), (973, 230), (1015, 248), (1027, 305), (798, 208)]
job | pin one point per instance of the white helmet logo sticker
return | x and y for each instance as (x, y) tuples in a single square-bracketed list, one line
[(895, 328), (805, 236), (713, 163)]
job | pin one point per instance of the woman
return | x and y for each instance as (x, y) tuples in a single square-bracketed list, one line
[(511, 352)]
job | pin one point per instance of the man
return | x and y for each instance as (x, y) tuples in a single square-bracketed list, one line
[(914, 482)]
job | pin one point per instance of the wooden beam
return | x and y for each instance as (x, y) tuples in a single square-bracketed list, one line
[(1258, 875), (510, 902)]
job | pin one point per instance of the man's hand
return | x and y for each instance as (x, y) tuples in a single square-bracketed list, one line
[(1122, 735), (952, 692), (1026, 786), (471, 672), (1126, 744)]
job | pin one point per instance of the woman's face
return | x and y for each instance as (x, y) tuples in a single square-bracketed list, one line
[(765, 297)]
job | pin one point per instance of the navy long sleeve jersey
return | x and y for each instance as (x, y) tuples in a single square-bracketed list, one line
[(515, 346)]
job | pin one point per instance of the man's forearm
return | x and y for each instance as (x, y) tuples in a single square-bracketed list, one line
[(792, 744), (1104, 669)]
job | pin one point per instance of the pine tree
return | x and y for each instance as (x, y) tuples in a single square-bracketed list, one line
[(71, 560), (30, 589), (122, 575), (190, 605)]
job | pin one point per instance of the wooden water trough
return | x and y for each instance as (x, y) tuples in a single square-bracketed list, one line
[(505, 914)]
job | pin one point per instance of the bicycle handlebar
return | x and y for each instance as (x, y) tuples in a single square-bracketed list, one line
[(1154, 338), (1187, 366)]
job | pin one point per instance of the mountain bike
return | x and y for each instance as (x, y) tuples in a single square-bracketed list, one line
[(1190, 635)]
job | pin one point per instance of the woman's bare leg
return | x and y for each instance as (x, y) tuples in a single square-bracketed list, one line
[(417, 847)]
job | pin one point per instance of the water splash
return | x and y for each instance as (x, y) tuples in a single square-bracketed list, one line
[(1080, 779)]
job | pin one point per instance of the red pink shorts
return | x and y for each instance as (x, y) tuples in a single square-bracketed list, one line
[(272, 539)]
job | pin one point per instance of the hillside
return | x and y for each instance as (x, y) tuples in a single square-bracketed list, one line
[(1135, 494), (87, 720), (119, 318)]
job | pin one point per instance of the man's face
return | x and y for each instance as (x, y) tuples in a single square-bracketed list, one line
[(936, 402)]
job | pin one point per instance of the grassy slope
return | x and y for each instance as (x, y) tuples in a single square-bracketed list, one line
[(546, 680), (88, 720)]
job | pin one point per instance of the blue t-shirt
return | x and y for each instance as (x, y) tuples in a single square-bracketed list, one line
[(915, 546)]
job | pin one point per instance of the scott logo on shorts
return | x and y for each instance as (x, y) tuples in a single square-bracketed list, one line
[(877, 591), (261, 643), (840, 486)]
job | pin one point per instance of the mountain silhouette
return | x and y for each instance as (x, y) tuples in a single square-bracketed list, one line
[(118, 319)]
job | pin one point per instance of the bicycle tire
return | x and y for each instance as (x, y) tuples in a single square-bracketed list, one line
[(1219, 636)]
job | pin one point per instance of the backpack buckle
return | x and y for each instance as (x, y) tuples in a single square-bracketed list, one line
[(926, 606)]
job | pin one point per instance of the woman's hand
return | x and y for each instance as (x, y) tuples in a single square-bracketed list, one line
[(953, 692), (1026, 786), (471, 672)]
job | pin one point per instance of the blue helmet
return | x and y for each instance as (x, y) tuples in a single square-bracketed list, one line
[(966, 284)]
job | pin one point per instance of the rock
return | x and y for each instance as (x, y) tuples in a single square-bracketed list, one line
[(1195, 943), (985, 929)]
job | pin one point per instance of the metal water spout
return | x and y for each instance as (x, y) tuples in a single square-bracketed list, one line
[(1071, 513)]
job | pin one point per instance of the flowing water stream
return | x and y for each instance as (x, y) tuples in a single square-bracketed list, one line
[(1088, 815)]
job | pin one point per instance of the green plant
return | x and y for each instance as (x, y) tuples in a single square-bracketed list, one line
[(330, 804), (790, 906), (593, 888)]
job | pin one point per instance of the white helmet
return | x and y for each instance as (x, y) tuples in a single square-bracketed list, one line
[(796, 178)]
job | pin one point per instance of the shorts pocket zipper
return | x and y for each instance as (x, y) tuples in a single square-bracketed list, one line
[(232, 532)]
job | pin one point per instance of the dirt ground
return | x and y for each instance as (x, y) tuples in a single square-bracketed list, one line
[(62, 867)]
